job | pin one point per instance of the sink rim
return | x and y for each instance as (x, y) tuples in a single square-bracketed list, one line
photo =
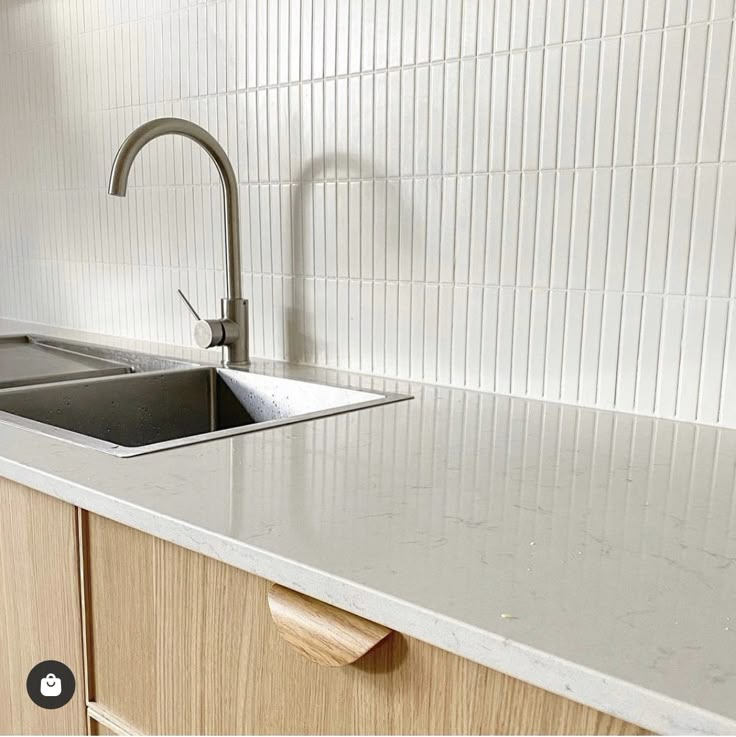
[(123, 451), (108, 353)]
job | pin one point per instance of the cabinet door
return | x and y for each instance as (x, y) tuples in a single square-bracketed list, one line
[(40, 616), (184, 644)]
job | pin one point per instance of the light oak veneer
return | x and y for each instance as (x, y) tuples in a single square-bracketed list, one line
[(39, 607)]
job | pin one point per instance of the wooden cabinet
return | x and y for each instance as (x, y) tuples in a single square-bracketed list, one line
[(180, 643), (40, 617)]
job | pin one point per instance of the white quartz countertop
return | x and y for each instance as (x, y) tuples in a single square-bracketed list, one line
[(590, 553)]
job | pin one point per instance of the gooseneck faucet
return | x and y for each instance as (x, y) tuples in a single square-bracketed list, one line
[(231, 331)]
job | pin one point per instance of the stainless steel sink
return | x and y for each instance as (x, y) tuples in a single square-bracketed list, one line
[(32, 359), (142, 413)]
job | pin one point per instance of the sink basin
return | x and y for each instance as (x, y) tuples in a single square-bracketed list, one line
[(142, 413)]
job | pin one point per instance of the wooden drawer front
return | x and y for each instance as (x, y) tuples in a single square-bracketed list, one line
[(40, 614), (181, 643)]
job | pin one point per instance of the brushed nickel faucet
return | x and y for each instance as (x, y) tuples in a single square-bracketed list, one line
[(231, 330)]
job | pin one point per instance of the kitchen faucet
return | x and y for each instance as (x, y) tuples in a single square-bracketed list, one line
[(231, 331)]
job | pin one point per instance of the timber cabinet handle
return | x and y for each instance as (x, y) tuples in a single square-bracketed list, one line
[(321, 632)]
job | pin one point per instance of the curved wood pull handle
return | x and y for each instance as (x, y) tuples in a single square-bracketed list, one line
[(320, 632)]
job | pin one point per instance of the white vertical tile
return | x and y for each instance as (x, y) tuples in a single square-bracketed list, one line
[(719, 47), (494, 228), (463, 223), (553, 358), (626, 106), (545, 220), (538, 324), (613, 16), (515, 111), (654, 14), (698, 12), (658, 237), (610, 337), (431, 317), (450, 142), (638, 230), (559, 268), (572, 352), (581, 222), (550, 107), (504, 339), (458, 344), (701, 240), (649, 347), (607, 82), (520, 341), (680, 229), (727, 404), (486, 25), (628, 354), (555, 26), (568, 106), (669, 95), (532, 109), (618, 229), (465, 131), (646, 112), (724, 233), (713, 352), (690, 358), (502, 24), (499, 99), (420, 122), (527, 228), (510, 230), (586, 118), (691, 96)]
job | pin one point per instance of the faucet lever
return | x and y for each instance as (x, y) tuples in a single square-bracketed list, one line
[(211, 333), (189, 305)]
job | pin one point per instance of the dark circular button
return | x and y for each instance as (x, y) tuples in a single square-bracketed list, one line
[(50, 684)]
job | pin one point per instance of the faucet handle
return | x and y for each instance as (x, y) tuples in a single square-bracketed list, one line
[(188, 304), (211, 333)]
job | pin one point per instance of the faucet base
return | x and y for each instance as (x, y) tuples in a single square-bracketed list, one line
[(236, 352)]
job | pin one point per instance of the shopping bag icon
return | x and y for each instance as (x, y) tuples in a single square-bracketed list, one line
[(51, 685)]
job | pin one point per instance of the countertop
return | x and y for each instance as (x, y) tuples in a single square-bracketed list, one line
[(587, 552)]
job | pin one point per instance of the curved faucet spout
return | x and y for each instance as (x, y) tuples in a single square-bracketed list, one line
[(230, 332), (162, 126)]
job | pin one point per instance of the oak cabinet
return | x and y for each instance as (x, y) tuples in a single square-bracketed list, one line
[(40, 617)]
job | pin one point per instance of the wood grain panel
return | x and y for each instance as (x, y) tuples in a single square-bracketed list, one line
[(40, 616), (185, 644)]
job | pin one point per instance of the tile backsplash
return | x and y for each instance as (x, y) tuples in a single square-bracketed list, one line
[(535, 197)]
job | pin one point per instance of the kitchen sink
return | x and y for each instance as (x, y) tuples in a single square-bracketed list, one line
[(141, 413)]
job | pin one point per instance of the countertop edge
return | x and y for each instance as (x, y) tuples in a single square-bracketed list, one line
[(643, 707)]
